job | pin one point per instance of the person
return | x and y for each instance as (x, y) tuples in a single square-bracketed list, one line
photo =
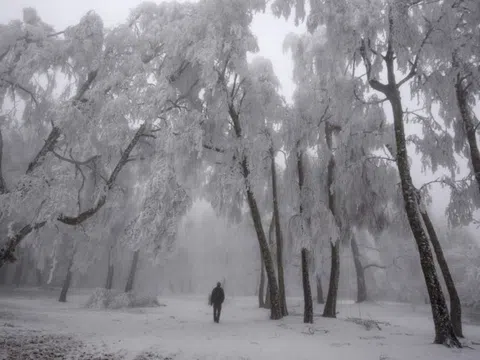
[(216, 299)]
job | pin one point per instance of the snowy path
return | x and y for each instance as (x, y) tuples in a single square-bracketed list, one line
[(184, 329)]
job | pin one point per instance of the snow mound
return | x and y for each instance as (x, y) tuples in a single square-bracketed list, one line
[(112, 299)]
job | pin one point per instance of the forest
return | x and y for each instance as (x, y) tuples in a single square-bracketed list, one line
[(158, 156)]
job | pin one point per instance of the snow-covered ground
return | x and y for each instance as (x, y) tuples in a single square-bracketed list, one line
[(33, 321)]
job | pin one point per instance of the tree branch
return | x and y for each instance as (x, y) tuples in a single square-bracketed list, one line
[(76, 162), (413, 69), (24, 89), (214, 148), (85, 86), (124, 159), (46, 148)]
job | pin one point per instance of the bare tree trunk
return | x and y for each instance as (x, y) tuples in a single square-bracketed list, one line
[(320, 299), (455, 305), (261, 287), (271, 234), (66, 283), (131, 274), (360, 271), (469, 125), (18, 274), (278, 237), (110, 270), (109, 281), (330, 309), (39, 277), (307, 292)]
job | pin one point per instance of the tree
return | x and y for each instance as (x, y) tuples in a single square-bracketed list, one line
[(113, 87), (307, 293), (396, 17)]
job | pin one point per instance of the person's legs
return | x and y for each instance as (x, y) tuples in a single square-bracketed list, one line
[(219, 310), (215, 312)]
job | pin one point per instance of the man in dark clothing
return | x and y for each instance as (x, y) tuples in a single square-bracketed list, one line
[(216, 299)]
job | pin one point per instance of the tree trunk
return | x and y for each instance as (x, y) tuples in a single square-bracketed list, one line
[(320, 299), (278, 237), (307, 292), (360, 271), (131, 274), (444, 332), (109, 281), (268, 299), (330, 309), (275, 310), (66, 283), (39, 277), (469, 126), (261, 287), (18, 274), (455, 305)]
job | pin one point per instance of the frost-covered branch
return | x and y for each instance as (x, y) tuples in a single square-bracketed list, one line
[(76, 162), (46, 148), (23, 88), (414, 64), (85, 86), (75, 220)]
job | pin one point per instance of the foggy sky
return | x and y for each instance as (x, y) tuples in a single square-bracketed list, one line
[(270, 33)]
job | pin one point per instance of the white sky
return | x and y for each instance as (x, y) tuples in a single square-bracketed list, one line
[(270, 33), (269, 30)]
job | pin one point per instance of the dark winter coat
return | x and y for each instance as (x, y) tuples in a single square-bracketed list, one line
[(218, 296)]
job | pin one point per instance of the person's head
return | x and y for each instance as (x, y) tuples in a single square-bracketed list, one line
[(218, 284)]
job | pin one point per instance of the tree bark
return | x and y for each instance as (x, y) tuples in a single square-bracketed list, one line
[(39, 277), (278, 237), (66, 283), (330, 309), (469, 126), (261, 287), (455, 305), (18, 274), (320, 299), (109, 281), (307, 292), (271, 235), (132, 272), (360, 271)]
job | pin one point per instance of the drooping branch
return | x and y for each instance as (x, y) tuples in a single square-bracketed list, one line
[(414, 64), (7, 251), (76, 162), (23, 88)]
